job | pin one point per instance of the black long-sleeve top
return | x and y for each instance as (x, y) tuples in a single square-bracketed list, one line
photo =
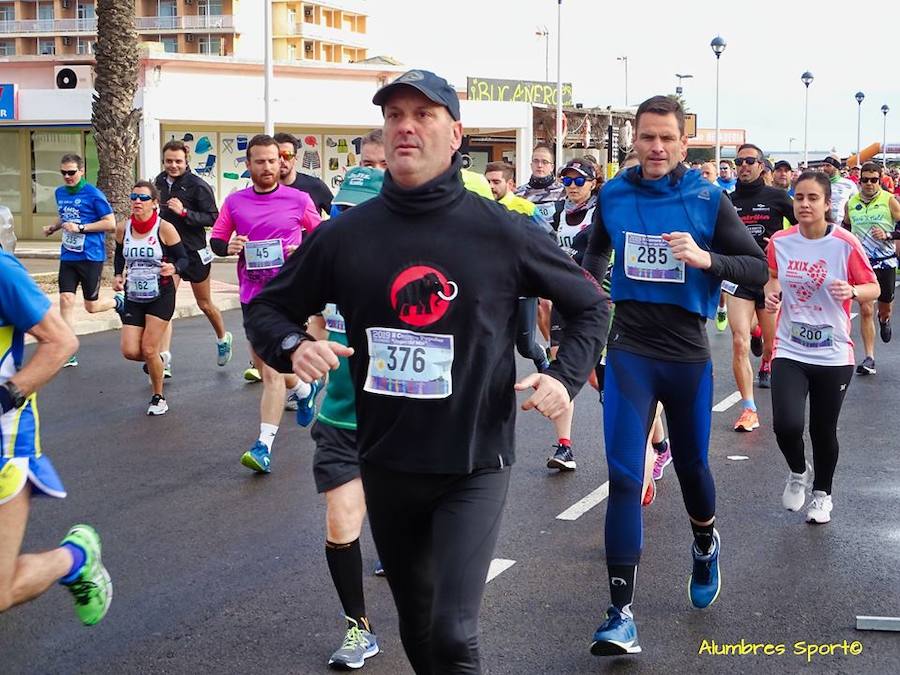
[(199, 202), (442, 261), (762, 208), (670, 332)]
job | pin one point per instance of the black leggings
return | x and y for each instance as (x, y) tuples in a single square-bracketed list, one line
[(526, 326), (826, 386), (435, 535)]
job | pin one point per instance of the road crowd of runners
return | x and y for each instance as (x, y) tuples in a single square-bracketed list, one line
[(405, 298)]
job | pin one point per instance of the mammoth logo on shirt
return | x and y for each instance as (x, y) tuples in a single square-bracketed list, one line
[(421, 295)]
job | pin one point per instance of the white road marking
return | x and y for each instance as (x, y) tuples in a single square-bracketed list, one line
[(737, 458), (727, 402), (584, 505), (853, 315), (498, 567)]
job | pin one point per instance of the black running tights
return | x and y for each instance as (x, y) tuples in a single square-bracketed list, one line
[(526, 328), (435, 534), (792, 382)]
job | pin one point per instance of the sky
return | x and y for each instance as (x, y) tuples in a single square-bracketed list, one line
[(770, 44)]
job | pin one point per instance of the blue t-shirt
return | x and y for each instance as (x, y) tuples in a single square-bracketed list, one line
[(88, 205), (22, 306)]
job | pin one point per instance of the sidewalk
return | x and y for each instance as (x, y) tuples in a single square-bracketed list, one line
[(48, 249)]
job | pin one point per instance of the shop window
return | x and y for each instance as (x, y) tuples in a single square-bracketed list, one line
[(10, 171), (91, 163), (47, 148)]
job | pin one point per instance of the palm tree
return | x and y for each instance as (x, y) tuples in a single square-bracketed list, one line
[(115, 120)]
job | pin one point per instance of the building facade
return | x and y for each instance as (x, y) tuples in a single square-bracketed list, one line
[(328, 31)]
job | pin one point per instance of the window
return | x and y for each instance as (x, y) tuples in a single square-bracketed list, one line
[(85, 46), (46, 47), (7, 13), (170, 44), (86, 11), (7, 48), (45, 11), (10, 171), (47, 147), (211, 45)]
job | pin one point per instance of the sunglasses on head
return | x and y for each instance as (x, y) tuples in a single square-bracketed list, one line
[(871, 179), (287, 155), (578, 181), (68, 172), (750, 161), (134, 196)]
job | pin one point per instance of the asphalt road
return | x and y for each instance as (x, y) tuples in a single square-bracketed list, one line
[(219, 570)]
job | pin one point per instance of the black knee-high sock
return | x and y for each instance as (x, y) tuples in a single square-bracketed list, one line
[(345, 565), (621, 586), (703, 536)]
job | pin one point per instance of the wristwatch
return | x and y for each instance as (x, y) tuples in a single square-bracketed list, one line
[(11, 396), (290, 342), (81, 228)]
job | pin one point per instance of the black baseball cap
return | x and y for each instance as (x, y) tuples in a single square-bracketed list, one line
[(433, 86), (783, 163), (586, 169)]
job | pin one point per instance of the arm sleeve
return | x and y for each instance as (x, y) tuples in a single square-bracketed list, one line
[(177, 253), (285, 304), (219, 247), (206, 211), (22, 303), (735, 255), (596, 257), (550, 273), (323, 199), (119, 259)]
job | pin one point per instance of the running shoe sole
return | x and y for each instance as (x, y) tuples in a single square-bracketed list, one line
[(554, 463), (613, 648), (745, 430), (355, 665), (248, 460), (865, 370)]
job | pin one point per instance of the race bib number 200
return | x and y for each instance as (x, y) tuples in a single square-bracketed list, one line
[(409, 364), (649, 258)]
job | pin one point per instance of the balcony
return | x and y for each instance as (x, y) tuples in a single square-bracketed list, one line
[(48, 27), (349, 6), (193, 24), (312, 31)]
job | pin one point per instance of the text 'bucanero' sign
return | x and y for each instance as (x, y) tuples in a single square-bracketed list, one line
[(480, 89)]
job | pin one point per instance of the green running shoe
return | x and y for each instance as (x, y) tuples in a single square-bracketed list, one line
[(721, 319), (92, 590)]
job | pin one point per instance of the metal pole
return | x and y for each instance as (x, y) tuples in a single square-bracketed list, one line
[(806, 131), (718, 151), (626, 81), (546, 55), (559, 106), (858, 132), (268, 70), (884, 144)]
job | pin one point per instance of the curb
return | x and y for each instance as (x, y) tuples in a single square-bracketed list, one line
[(26, 254)]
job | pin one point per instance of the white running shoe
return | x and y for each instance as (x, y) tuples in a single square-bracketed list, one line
[(158, 406), (794, 496), (819, 511)]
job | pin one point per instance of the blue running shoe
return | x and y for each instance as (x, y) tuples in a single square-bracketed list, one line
[(257, 458), (705, 582), (616, 636), (379, 569), (224, 350), (306, 407)]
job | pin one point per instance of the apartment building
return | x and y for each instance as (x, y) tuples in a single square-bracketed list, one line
[(330, 31)]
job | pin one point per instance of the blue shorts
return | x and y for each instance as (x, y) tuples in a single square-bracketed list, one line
[(21, 457)]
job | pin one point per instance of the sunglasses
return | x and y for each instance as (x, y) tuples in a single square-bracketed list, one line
[(578, 181), (68, 172), (134, 196), (750, 161), (873, 179), (287, 156)]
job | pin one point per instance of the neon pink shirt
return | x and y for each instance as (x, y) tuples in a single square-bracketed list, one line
[(279, 217), (813, 327)]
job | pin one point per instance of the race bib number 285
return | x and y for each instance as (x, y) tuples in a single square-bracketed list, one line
[(649, 258), (409, 364)]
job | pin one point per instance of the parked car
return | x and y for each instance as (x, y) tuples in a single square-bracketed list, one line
[(7, 230)]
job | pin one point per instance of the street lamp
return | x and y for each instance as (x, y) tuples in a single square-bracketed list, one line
[(544, 33), (806, 78), (790, 143), (884, 111), (624, 60), (718, 45), (268, 71), (679, 90), (859, 99), (559, 112)]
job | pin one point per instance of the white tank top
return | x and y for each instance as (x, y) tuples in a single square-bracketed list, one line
[(143, 259), (565, 235)]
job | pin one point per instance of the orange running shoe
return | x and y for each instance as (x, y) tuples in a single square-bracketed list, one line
[(650, 494), (748, 421)]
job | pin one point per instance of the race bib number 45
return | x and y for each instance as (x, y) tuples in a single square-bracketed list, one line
[(409, 364), (649, 258), (264, 255)]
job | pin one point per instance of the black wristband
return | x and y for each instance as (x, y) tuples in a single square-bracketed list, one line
[(6, 399), (895, 234)]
